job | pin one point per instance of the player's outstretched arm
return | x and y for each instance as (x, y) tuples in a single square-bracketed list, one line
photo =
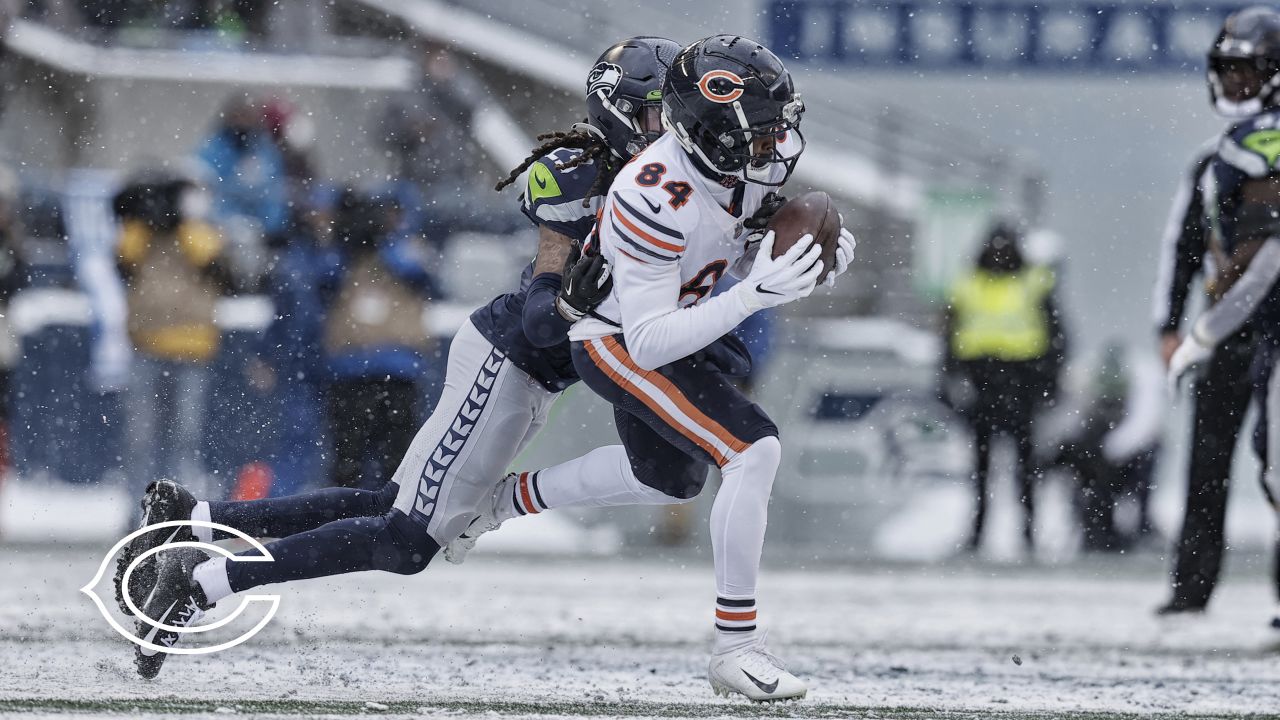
[(658, 331)]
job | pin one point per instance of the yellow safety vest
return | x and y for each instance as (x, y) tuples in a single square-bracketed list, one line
[(1001, 315)]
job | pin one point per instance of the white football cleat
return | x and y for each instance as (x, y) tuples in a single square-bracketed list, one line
[(456, 550), (755, 672)]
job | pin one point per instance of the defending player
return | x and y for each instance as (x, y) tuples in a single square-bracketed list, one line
[(1237, 78), (657, 349), (507, 365), (1246, 172)]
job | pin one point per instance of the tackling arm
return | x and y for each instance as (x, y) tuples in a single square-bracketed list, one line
[(542, 324)]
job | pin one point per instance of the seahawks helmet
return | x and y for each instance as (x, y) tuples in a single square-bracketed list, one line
[(722, 97), (624, 93), (1243, 63)]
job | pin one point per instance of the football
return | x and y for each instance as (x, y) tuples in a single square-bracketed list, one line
[(810, 213)]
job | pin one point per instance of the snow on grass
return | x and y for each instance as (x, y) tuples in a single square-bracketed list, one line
[(528, 637)]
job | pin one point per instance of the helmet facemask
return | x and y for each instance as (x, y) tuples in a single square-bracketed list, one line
[(1243, 71), (644, 119), (1241, 87)]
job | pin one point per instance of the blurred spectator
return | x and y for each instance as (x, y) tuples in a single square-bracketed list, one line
[(301, 267), (1112, 448), (250, 195), (294, 135), (1005, 347), (430, 135), (170, 261), (375, 338)]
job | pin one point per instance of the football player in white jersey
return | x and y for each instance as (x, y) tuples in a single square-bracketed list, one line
[(507, 365), (676, 219)]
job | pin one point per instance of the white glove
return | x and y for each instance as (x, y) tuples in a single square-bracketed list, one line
[(1190, 353), (790, 277), (844, 255)]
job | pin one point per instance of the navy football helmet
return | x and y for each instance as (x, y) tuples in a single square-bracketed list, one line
[(624, 93), (729, 100), (1244, 63)]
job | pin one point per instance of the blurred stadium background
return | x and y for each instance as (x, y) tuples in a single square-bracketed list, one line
[(929, 121)]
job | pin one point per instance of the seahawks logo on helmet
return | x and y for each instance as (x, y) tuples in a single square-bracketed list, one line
[(604, 76)]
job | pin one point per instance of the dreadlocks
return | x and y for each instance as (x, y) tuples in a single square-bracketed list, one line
[(593, 148)]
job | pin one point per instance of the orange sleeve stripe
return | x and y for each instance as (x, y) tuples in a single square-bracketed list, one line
[(677, 396), (630, 387), (722, 615), (632, 227)]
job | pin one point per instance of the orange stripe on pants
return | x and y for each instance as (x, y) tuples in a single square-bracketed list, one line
[(676, 396), (653, 405)]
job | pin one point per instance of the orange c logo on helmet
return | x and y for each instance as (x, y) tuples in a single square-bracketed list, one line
[(721, 86)]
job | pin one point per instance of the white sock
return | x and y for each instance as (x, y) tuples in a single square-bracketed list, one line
[(212, 576), (735, 624), (201, 512), (601, 478), (738, 519)]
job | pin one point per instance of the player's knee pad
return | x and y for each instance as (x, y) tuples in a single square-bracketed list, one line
[(403, 546), (763, 456)]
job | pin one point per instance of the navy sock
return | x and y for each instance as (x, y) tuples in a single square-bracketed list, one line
[(284, 516), (391, 543)]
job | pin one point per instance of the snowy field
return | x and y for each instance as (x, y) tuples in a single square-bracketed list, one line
[(521, 637)]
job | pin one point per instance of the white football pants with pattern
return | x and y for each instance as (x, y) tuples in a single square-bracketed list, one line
[(488, 412)]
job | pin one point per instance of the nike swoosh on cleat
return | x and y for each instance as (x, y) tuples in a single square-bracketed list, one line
[(770, 687), (150, 595), (151, 636), (655, 208)]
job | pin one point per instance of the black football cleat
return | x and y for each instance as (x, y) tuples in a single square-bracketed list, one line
[(176, 599), (164, 500)]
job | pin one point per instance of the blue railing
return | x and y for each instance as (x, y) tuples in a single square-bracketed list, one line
[(1014, 35)]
